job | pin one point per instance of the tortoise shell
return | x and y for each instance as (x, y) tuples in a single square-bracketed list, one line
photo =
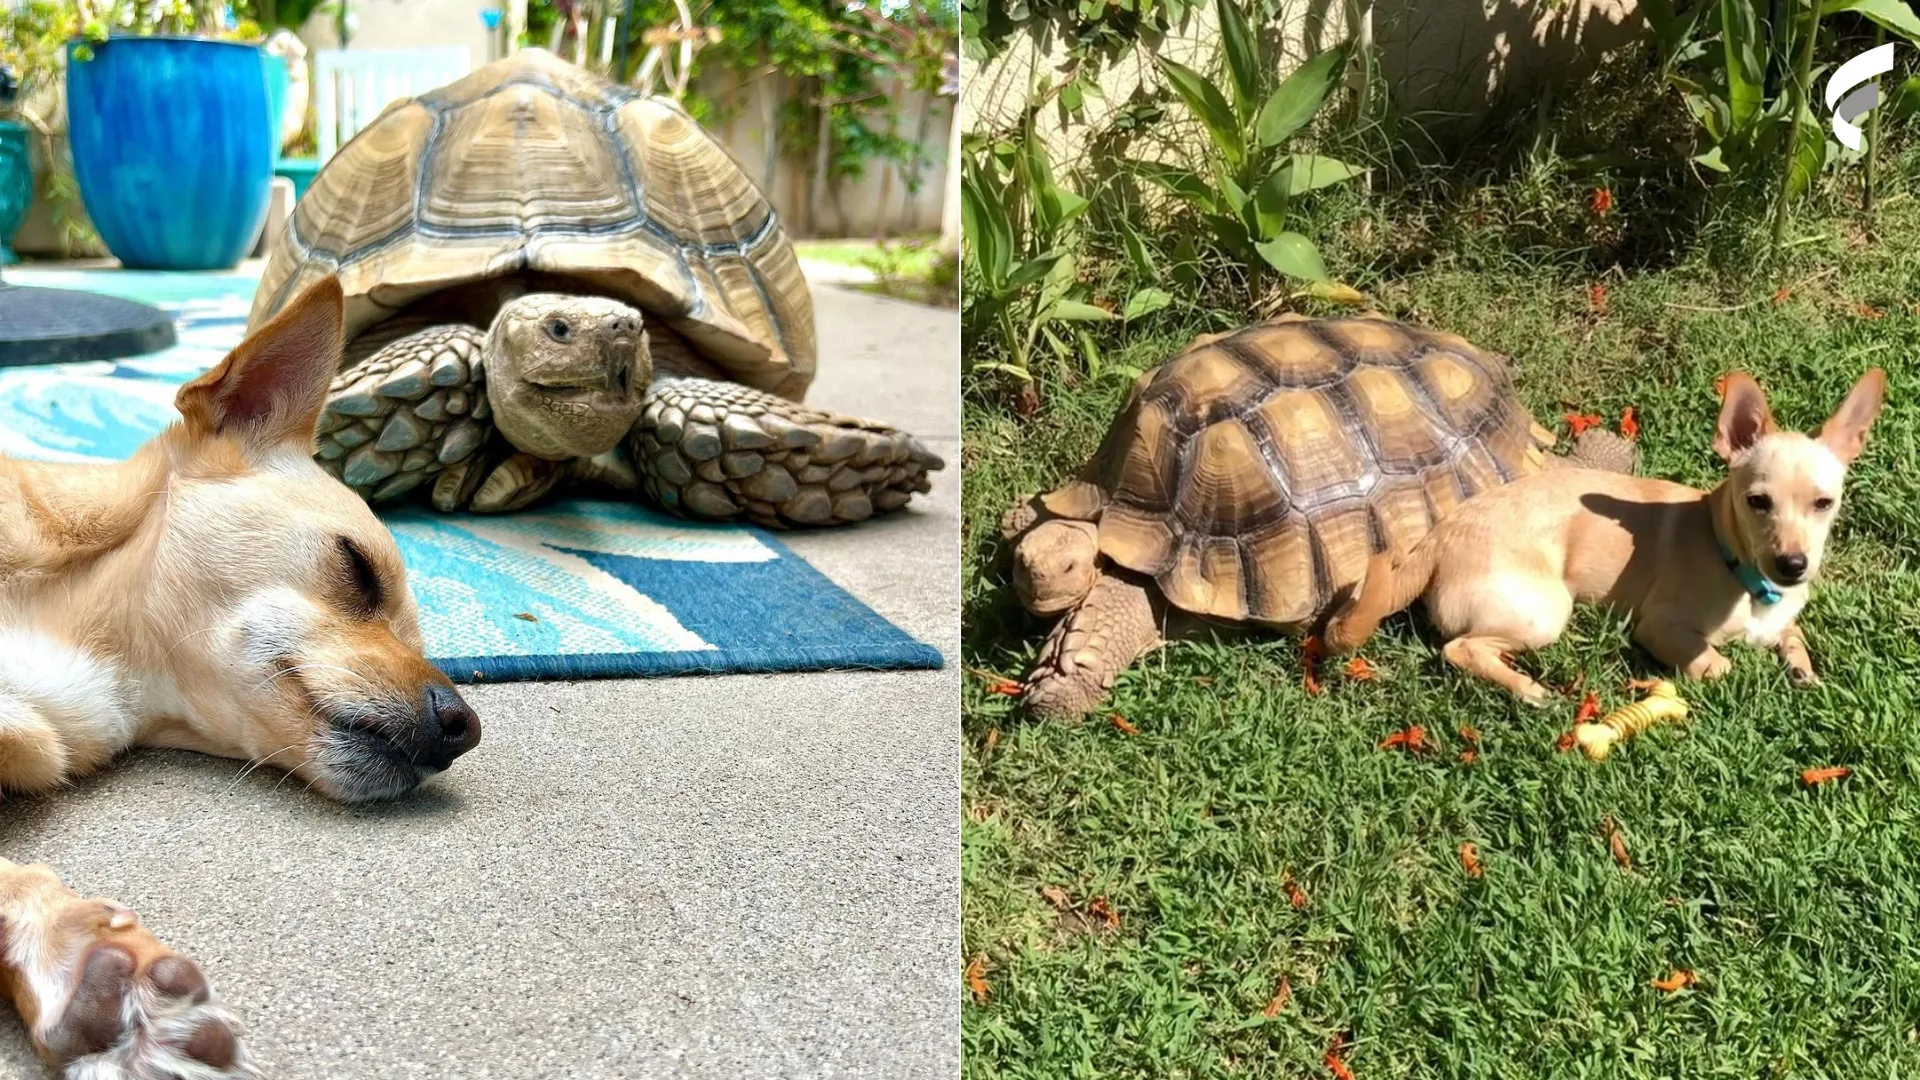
[(533, 165), (1254, 475)]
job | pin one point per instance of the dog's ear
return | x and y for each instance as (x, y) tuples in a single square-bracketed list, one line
[(1845, 432), (1744, 416), (271, 389)]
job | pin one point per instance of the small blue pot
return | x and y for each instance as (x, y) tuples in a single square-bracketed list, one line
[(16, 185), (173, 148)]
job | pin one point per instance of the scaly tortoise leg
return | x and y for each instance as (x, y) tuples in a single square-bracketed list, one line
[(706, 448), (405, 406), (1087, 651)]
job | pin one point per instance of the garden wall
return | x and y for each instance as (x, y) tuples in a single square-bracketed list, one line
[(1445, 60)]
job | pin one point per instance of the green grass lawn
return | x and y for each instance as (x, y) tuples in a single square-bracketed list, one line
[(865, 254), (1797, 908)]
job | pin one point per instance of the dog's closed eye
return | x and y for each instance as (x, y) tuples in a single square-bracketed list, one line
[(364, 592)]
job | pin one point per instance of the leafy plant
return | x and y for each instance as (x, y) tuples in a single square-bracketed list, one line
[(1021, 227), (1745, 69), (33, 43), (1248, 178)]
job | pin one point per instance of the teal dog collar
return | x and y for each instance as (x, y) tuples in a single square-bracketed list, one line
[(1752, 580)]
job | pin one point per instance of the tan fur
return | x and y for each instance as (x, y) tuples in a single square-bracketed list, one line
[(200, 595), (1502, 573)]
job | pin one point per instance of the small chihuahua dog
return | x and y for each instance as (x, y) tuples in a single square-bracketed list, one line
[(216, 592), (1692, 569)]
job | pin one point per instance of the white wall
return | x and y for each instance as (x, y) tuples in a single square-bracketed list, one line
[(409, 24), (747, 125)]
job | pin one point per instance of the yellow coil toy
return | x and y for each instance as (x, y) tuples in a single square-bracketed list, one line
[(1661, 703)]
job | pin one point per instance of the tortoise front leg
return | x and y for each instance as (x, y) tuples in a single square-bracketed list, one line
[(707, 448), (1087, 651), (404, 408)]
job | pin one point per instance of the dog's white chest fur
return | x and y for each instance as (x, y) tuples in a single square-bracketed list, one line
[(87, 699), (1762, 624)]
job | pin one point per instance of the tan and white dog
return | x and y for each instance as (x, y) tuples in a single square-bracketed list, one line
[(216, 592), (1692, 569)]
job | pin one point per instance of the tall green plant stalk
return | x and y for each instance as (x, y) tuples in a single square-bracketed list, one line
[(1873, 141), (1802, 74)]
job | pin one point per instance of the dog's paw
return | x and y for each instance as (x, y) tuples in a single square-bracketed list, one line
[(1534, 695), (119, 1005), (1710, 665)]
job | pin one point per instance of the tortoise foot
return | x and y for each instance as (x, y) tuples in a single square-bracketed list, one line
[(497, 481), (719, 450)]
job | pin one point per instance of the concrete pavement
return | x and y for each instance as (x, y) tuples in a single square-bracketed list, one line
[(739, 876)]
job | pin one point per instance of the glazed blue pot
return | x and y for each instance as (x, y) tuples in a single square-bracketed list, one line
[(16, 185), (172, 148)]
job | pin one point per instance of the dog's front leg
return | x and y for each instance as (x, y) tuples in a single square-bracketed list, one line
[(101, 997), (1681, 646), (1792, 651)]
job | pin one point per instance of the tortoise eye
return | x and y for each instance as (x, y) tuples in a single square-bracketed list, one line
[(558, 330)]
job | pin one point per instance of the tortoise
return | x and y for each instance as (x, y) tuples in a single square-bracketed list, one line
[(1251, 478), (553, 278)]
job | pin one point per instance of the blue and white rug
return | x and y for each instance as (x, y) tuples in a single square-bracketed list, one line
[(570, 589)]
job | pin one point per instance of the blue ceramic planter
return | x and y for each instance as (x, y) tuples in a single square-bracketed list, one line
[(172, 148), (16, 185)]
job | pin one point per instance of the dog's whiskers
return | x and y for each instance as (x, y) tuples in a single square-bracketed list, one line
[(256, 763)]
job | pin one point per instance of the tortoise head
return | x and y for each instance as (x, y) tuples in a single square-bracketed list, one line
[(566, 375), (1055, 565)]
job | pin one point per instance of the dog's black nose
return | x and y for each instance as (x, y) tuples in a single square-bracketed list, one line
[(448, 728), (1791, 567)]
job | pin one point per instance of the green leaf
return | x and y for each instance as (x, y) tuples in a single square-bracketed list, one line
[(1076, 311), (1091, 353), (1060, 279), (1295, 256), (1740, 39), (1138, 253), (1040, 185), (1299, 97), (1070, 206), (1809, 156), (1180, 182), (1243, 57), (1126, 371), (1145, 302), (1270, 206), (985, 222), (1014, 370), (1309, 172), (1204, 99), (1906, 100), (1711, 159), (1230, 233), (1895, 15), (1032, 270)]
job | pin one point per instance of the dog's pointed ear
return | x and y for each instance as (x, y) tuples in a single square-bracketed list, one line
[(272, 387), (1845, 432), (1744, 416)]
